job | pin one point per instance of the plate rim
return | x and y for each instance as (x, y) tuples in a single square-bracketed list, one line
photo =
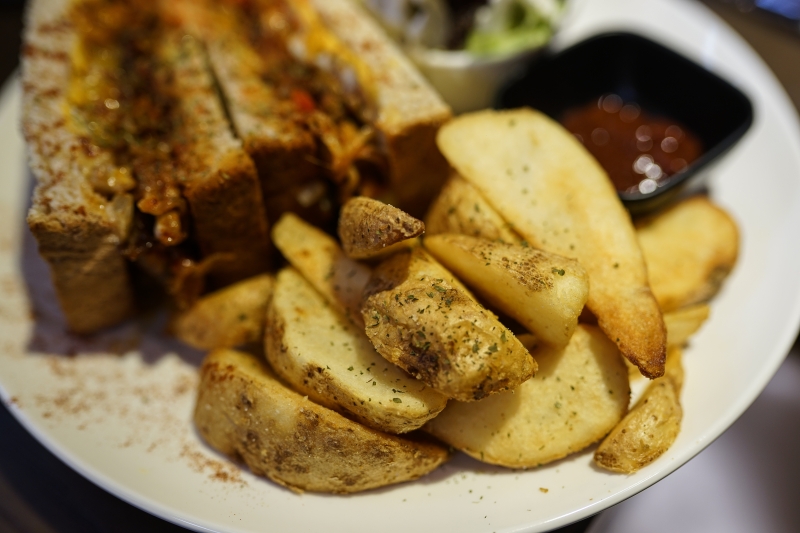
[(9, 93)]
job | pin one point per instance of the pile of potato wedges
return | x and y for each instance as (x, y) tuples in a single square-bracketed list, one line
[(508, 325)]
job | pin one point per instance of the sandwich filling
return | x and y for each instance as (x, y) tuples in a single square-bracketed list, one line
[(129, 97), (317, 150), (300, 101)]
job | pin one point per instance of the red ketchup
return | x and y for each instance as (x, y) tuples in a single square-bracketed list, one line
[(638, 150)]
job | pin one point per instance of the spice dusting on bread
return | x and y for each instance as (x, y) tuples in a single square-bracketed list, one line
[(166, 136)]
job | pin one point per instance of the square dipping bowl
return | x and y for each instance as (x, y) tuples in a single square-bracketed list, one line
[(661, 83)]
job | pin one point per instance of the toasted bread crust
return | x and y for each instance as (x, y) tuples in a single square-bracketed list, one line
[(338, 37), (77, 236), (219, 179)]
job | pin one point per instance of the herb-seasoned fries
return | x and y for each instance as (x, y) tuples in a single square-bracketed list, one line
[(539, 177), (369, 228), (245, 412), (579, 393), (421, 318), (544, 292), (419, 352), (322, 262), (320, 353), (461, 209)]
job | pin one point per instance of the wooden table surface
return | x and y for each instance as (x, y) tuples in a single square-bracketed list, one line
[(38, 493)]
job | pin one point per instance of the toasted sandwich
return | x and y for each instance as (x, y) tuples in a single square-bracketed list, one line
[(166, 135)]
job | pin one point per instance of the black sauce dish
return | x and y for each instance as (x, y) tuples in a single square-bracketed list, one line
[(657, 79)]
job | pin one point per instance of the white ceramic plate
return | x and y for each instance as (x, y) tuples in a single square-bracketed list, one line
[(117, 407)]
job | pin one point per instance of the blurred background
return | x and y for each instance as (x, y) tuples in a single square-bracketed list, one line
[(38, 493)]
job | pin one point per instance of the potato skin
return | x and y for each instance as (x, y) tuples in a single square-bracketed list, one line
[(421, 318), (368, 227), (651, 426), (340, 369), (244, 412), (646, 432)]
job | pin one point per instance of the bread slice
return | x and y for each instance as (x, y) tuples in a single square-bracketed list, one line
[(284, 152), (77, 233), (397, 105), (83, 210), (218, 178), (407, 110)]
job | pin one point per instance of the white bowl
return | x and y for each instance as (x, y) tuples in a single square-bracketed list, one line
[(468, 82)]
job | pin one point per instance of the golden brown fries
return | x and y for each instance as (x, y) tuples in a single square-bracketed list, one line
[(416, 335), (229, 317), (579, 393), (320, 353), (651, 426), (421, 318), (244, 412), (322, 262), (690, 249), (542, 291), (461, 209), (370, 228), (538, 176)]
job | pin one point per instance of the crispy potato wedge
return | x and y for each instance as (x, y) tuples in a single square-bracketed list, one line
[(320, 259), (421, 318), (578, 395), (369, 228), (315, 349), (651, 426), (542, 291), (683, 323), (461, 209), (559, 199), (226, 318), (689, 249), (244, 412)]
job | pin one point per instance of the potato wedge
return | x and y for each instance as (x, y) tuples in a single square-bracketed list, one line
[(244, 412), (226, 318), (320, 259), (651, 426), (689, 249), (315, 349), (461, 209), (683, 323), (544, 292), (422, 319), (369, 228), (579, 393), (558, 198)]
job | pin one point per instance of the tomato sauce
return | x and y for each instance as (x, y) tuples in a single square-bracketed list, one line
[(639, 150)]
